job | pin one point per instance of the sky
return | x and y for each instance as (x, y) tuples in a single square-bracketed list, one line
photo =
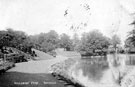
[(36, 16)]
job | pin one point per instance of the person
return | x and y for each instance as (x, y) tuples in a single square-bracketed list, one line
[(33, 53)]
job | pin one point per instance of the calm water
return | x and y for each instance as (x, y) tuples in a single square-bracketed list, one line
[(95, 69)]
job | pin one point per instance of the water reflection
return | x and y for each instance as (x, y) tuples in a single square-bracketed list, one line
[(97, 71), (93, 68), (130, 59)]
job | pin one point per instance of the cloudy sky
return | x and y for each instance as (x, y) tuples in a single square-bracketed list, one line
[(36, 16)]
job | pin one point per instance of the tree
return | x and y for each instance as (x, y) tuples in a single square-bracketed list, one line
[(65, 42), (130, 41), (5, 39), (115, 41), (53, 38), (16, 39), (94, 42), (26, 46), (11, 38), (75, 41), (46, 41)]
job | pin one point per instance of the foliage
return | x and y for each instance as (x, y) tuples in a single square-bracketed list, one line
[(45, 41), (94, 42), (65, 42), (5, 39), (75, 41), (16, 39), (115, 40), (130, 41), (51, 40)]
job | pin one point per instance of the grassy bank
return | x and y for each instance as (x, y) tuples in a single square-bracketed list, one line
[(18, 79), (63, 71)]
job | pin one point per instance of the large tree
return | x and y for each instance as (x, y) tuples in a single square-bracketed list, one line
[(94, 41), (65, 42), (46, 41), (130, 41), (53, 38), (12, 38), (16, 39)]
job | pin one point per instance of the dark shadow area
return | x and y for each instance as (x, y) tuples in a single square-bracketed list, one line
[(18, 79)]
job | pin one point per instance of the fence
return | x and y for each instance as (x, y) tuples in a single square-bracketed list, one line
[(130, 59)]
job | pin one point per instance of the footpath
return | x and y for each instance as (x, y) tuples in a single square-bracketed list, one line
[(32, 73)]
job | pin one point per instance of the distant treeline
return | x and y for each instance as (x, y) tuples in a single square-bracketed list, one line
[(51, 40), (43, 41), (91, 43)]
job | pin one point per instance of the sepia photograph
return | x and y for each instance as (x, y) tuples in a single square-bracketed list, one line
[(67, 43)]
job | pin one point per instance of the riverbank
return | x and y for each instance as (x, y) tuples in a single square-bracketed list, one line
[(91, 74), (63, 71), (85, 73)]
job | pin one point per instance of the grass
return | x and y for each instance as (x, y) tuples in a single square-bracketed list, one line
[(16, 79), (42, 55)]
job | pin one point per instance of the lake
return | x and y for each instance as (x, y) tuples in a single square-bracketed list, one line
[(99, 71)]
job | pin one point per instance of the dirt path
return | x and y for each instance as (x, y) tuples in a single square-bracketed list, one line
[(41, 66), (31, 74)]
